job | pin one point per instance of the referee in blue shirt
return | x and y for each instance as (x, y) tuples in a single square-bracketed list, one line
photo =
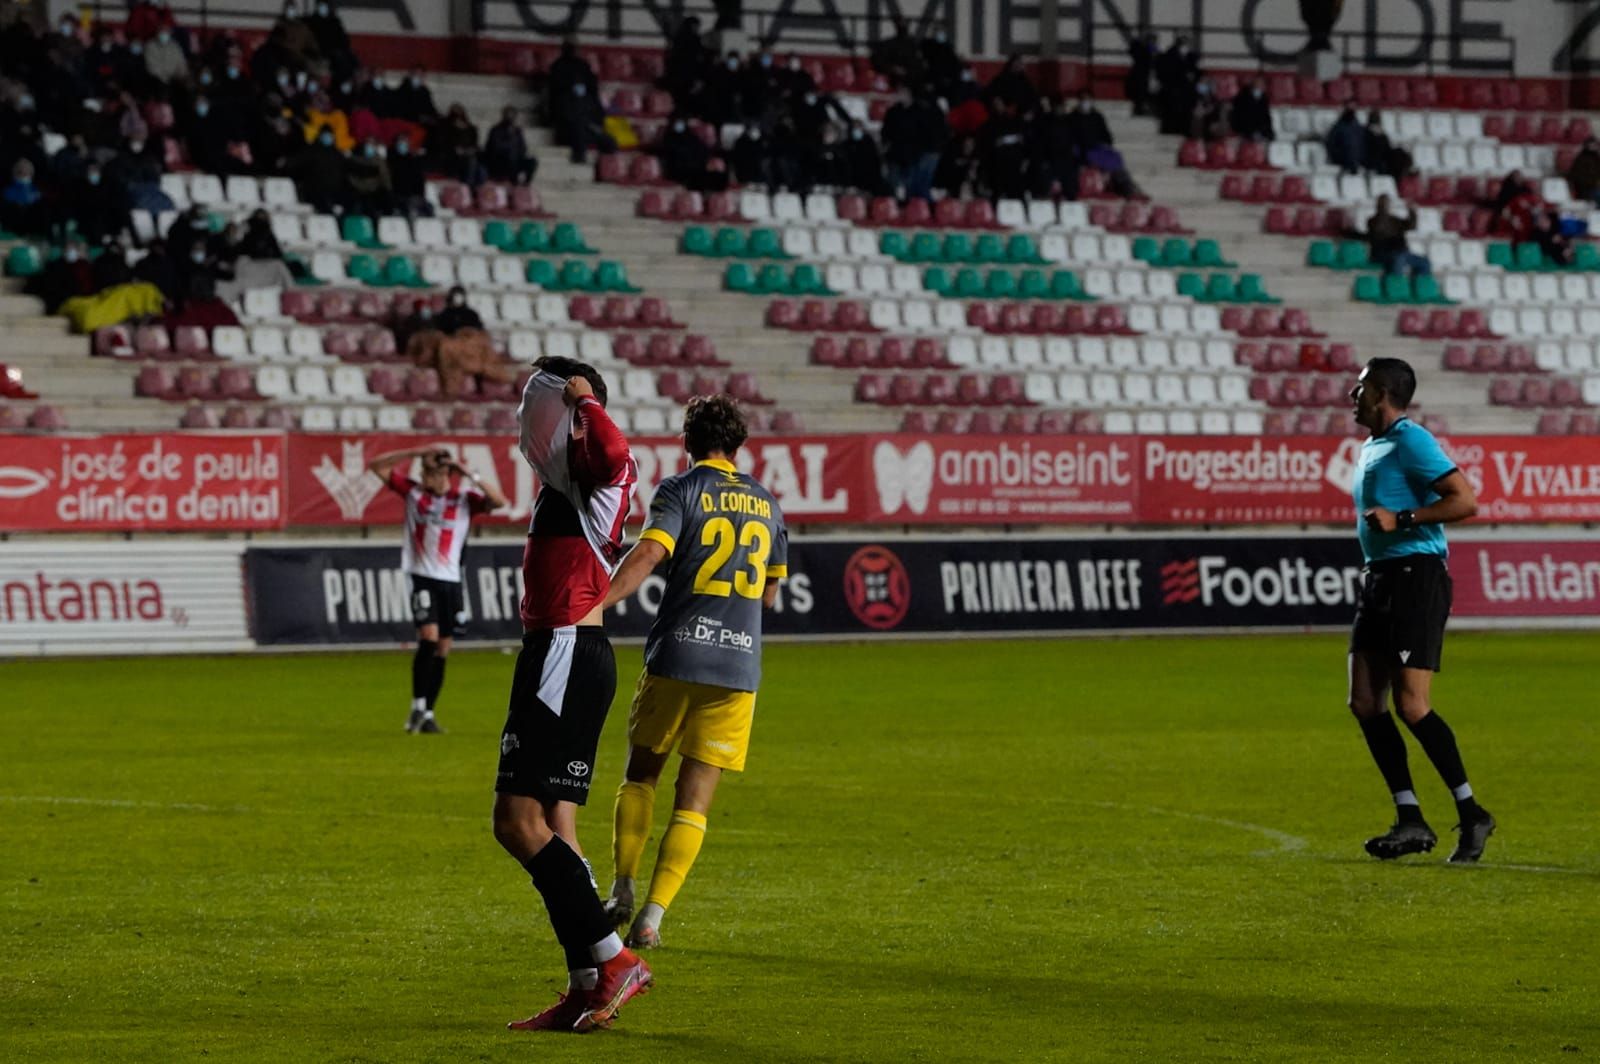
[(1406, 491)]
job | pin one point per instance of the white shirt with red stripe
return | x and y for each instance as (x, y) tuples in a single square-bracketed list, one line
[(587, 476), (436, 527)]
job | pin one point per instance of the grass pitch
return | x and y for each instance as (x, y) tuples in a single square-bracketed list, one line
[(1076, 851)]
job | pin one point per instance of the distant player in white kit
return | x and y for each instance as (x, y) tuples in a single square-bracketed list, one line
[(439, 513)]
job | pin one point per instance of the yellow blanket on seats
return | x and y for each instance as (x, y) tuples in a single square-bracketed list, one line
[(113, 306)]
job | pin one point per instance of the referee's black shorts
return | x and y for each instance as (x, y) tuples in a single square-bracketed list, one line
[(1401, 616), (560, 695)]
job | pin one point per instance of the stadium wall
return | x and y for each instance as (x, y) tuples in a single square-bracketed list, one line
[(1539, 39), (64, 596)]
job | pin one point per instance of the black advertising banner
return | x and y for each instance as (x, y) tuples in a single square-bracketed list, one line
[(867, 587)]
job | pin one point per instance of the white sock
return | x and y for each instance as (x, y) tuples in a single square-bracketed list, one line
[(580, 979), (418, 704), (1406, 798), (650, 916), (1462, 792), (606, 948)]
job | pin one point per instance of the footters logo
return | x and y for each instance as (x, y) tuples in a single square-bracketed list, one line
[(877, 587), (1180, 581)]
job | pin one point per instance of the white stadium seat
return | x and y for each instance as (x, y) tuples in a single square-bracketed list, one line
[(355, 419)]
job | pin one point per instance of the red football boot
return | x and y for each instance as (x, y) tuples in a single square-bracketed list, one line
[(562, 1016), (621, 978)]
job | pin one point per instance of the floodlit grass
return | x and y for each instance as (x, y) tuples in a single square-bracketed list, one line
[(1077, 850)]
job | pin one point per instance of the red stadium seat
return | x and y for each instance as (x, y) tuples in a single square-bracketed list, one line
[(938, 390), (653, 314), (1279, 220), (885, 212), (1396, 92), (191, 342), (721, 206), (1252, 155), (979, 214), (950, 214), (890, 354), (851, 208), (783, 314), (916, 213), (1192, 153), (156, 382), (1234, 187), (492, 197), (871, 388), (152, 341), (612, 169)]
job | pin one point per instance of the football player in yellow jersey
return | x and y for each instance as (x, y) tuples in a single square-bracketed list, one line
[(724, 536)]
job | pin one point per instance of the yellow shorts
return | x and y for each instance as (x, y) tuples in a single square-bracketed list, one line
[(712, 722)]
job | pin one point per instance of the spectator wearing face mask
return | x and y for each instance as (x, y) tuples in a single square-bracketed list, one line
[(760, 87), (409, 180), (939, 61), (117, 296), (291, 33), (899, 57), (208, 135), (110, 267), (454, 146), (97, 208), (63, 278), (318, 172), (191, 227), (413, 101), (686, 62), (323, 115), (959, 167), (107, 64), (420, 319), (332, 40), (1251, 115), (581, 125), (1012, 86), (964, 92), (370, 190), (136, 173), (1209, 119), (22, 206), (719, 102), (569, 71), (752, 158), (864, 163), (1142, 55), (914, 133), (505, 153), (1056, 151), (1381, 155), (1346, 142), (457, 347), (252, 256), (157, 268), (686, 160), (164, 60)]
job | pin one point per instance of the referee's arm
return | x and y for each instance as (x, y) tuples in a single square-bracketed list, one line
[(1456, 502)]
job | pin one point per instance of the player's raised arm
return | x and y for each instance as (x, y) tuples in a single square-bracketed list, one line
[(496, 498), (385, 463), (640, 563), (599, 448)]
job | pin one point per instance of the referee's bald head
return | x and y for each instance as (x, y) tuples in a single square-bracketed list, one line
[(1394, 377)]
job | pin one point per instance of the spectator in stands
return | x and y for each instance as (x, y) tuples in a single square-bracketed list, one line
[(686, 160), (563, 81), (457, 346), (157, 268), (760, 88), (419, 320), (505, 153), (408, 179), (1251, 114), (914, 133), (22, 207), (412, 101), (797, 81), (717, 98), (453, 145), (1055, 150), (274, 145), (965, 93), (1004, 146), (63, 278), (941, 66), (110, 267), (332, 40), (1583, 176), (581, 125), (371, 191), (1383, 156), (1011, 84), (1347, 142), (292, 34), (960, 168), (209, 135), (318, 172), (686, 62), (135, 173), (1087, 126), (1547, 233), (1178, 71), (1142, 56), (107, 65), (751, 158), (164, 59), (1386, 235), (1209, 120), (98, 211), (899, 57), (322, 115), (863, 162), (1512, 187)]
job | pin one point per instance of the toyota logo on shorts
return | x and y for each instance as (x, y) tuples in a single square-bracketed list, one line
[(578, 768)]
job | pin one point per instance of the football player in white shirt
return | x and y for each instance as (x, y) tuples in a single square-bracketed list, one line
[(439, 513)]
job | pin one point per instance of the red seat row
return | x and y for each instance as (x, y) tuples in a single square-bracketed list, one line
[(891, 352), (1306, 357), (1268, 322), (1137, 216), (610, 64), (816, 315), (493, 198), (1443, 324), (1305, 221), (1535, 392), (1490, 358), (667, 349), (1049, 319), (1223, 155), (42, 418), (1474, 94), (1298, 391), (686, 206), (651, 103), (1307, 423), (1561, 423), (1012, 423), (196, 382), (1528, 129), (1266, 188), (680, 388), (622, 312), (939, 389)]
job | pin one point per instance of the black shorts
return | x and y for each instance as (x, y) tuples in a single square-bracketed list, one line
[(438, 602), (560, 695), (1401, 616)]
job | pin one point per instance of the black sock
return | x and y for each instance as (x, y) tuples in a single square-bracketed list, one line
[(1439, 743), (422, 668), (575, 910), (1389, 751), (436, 680)]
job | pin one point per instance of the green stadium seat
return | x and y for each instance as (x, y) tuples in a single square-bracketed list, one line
[(1252, 289), (1175, 253), (1397, 289), (772, 280), (1147, 249), (729, 243), (23, 261), (542, 272), (611, 276), (359, 230), (969, 284), (498, 234), (739, 278), (568, 240), (807, 281), (1368, 289), (1021, 249), (936, 279), (1209, 253), (1499, 254), (697, 241), (1001, 284), (1529, 257), (1322, 254), (989, 248), (1031, 284), (1191, 285), (925, 247), (1354, 255), (893, 244), (958, 248), (1426, 290), (576, 276), (400, 271), (765, 244), (1064, 285), (364, 268), (1586, 257), (534, 239), (1221, 289)]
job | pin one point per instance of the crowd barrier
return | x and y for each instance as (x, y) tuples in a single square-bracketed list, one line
[(167, 596), (274, 481)]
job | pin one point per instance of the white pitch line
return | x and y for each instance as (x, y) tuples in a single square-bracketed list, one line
[(1286, 843)]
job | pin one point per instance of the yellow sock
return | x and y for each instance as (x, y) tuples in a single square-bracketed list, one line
[(630, 828), (679, 847)]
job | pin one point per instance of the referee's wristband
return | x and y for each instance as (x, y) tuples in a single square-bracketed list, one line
[(1405, 520)]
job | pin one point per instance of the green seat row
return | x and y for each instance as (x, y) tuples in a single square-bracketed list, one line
[(952, 248), (1174, 253), (1346, 255), (575, 275), (1530, 258), (397, 272), (534, 238), (1222, 288), (773, 279), (731, 243), (1003, 284), (1399, 289), (23, 260)]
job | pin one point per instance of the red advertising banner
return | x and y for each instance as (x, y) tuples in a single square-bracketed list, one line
[(265, 481), (142, 482), (1526, 578)]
